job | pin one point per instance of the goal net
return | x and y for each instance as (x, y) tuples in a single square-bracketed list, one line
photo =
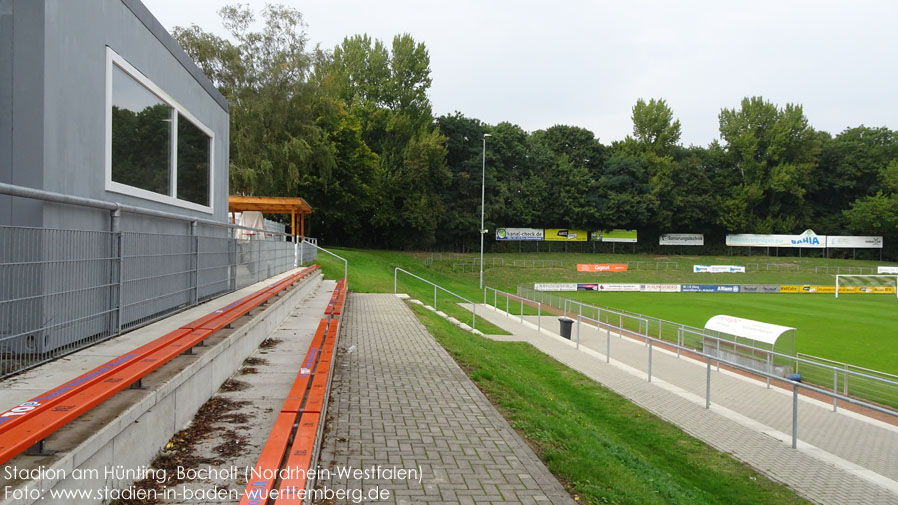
[(866, 284)]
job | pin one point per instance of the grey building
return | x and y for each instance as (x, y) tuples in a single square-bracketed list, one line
[(97, 101)]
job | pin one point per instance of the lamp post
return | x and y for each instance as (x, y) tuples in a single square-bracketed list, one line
[(482, 206)]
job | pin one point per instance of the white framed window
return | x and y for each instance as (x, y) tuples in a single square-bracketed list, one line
[(155, 148)]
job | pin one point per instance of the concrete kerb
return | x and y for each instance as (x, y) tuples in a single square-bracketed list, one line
[(137, 433), (456, 322)]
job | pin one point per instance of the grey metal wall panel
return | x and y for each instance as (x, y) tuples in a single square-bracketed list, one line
[(77, 34)]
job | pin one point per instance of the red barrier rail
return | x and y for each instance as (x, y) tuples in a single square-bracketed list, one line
[(29, 423), (299, 419)]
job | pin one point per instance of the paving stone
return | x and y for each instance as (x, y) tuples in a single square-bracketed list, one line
[(399, 398)]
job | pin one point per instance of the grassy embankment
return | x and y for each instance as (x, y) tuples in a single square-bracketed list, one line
[(604, 448)]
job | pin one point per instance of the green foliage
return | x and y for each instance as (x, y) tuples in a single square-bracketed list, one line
[(352, 131)]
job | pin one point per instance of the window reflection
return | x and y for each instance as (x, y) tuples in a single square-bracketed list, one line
[(193, 162), (141, 136)]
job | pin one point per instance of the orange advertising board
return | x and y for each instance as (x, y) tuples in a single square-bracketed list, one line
[(603, 267)]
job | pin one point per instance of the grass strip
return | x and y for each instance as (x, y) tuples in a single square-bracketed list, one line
[(601, 446)]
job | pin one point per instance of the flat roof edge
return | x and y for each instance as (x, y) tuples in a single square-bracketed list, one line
[(155, 27)]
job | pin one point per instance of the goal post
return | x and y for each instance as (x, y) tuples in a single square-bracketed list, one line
[(866, 284)]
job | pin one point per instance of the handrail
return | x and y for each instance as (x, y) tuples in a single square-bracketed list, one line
[(435, 287), (843, 365), (345, 262), (539, 305)]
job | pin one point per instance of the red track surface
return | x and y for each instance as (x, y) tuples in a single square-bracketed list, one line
[(28, 423)]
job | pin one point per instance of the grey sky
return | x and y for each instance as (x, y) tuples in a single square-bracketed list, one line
[(584, 63)]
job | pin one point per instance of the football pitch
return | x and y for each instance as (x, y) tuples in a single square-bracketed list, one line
[(858, 329)]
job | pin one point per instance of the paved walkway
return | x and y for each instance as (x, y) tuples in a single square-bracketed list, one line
[(841, 458), (399, 402)]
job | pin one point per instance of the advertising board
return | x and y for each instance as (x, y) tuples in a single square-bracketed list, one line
[(681, 239), (806, 239), (659, 288), (887, 270), (602, 267), (718, 269), (558, 286), (760, 288), (619, 236), (617, 287), (854, 242), (565, 235), (710, 288), (519, 234)]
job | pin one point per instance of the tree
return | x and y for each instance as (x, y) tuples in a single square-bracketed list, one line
[(775, 152), (654, 127)]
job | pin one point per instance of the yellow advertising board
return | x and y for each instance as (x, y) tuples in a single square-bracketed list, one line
[(826, 290), (790, 289), (565, 235)]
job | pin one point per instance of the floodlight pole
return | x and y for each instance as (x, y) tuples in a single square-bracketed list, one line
[(482, 205)]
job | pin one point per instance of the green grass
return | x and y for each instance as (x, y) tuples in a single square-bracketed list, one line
[(857, 329), (603, 447), (372, 272)]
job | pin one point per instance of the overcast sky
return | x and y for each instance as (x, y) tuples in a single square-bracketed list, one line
[(585, 63)]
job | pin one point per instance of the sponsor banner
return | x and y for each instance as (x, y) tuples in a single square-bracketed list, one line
[(718, 269), (682, 239), (659, 288), (710, 288), (619, 236), (565, 235), (602, 267), (558, 286), (806, 239), (616, 287), (519, 234), (817, 289), (854, 242), (760, 288), (790, 289), (887, 270), (880, 290)]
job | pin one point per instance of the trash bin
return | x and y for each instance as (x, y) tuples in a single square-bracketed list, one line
[(794, 377), (566, 325)]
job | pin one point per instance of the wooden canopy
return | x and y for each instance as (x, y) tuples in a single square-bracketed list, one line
[(273, 205)]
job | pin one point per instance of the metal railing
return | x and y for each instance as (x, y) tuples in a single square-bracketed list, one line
[(435, 288), (508, 297), (710, 359), (65, 289), (772, 267), (653, 265), (341, 258), (845, 270), (870, 385)]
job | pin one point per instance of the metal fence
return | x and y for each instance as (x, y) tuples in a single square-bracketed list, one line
[(63, 289), (853, 381), (709, 359), (845, 270)]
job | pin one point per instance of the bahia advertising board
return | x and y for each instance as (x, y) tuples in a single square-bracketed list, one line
[(718, 269), (565, 235), (681, 239), (519, 234), (808, 239), (710, 288)]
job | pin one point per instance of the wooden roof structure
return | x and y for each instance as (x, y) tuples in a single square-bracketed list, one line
[(273, 205)]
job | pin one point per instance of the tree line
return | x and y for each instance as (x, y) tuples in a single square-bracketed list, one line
[(352, 131)]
